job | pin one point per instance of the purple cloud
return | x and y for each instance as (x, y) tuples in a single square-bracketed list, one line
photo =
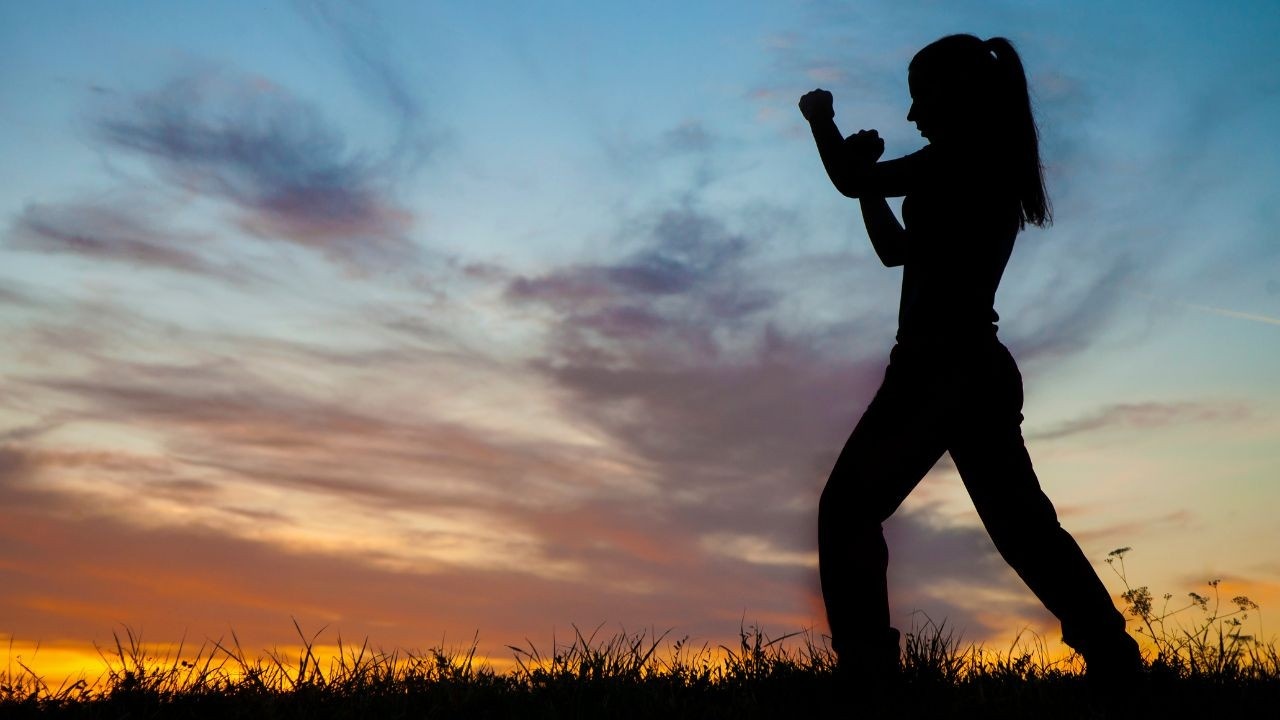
[(112, 233), (668, 299), (248, 141), (686, 250)]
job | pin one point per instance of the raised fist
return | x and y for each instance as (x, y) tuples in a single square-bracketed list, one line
[(864, 147), (817, 105)]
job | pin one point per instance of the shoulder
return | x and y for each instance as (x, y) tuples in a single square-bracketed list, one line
[(930, 165), (900, 176), (927, 155)]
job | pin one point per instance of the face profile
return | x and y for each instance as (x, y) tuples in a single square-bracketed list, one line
[(945, 107), (923, 111)]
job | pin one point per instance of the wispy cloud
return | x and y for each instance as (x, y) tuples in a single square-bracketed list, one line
[(113, 233), (368, 51), (1145, 416), (1122, 533), (667, 299), (245, 140), (393, 481)]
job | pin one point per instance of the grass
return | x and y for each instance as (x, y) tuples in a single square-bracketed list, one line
[(1201, 664)]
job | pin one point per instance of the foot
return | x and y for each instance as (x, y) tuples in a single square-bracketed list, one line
[(872, 667), (1113, 667)]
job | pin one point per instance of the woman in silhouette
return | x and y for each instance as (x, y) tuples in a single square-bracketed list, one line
[(950, 384)]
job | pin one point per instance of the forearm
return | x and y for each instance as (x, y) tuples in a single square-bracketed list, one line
[(830, 146), (845, 175), (886, 233)]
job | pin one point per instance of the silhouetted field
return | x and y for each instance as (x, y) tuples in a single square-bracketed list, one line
[(1203, 668), (639, 676)]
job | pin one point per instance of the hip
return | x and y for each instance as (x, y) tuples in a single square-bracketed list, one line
[(955, 374)]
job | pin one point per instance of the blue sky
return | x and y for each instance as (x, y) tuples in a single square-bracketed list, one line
[(503, 318)]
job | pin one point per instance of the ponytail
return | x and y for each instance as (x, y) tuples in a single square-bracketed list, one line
[(986, 76), (1013, 111)]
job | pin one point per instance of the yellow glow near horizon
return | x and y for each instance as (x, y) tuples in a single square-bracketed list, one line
[(54, 666)]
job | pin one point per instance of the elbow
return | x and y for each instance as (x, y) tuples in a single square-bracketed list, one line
[(858, 182), (891, 254), (849, 184), (850, 189)]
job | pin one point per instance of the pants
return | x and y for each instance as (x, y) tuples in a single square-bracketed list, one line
[(966, 399)]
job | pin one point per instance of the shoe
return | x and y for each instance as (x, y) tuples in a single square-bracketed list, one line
[(1113, 668), (873, 664), (1116, 656)]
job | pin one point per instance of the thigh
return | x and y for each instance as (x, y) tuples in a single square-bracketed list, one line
[(986, 443), (897, 441), (998, 475)]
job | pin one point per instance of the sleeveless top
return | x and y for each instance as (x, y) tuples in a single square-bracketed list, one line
[(960, 227)]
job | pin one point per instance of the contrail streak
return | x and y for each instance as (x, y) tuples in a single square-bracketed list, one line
[(1233, 313), (1226, 312)]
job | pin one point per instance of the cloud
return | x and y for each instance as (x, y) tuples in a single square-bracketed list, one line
[(1123, 532), (1049, 319), (390, 487), (185, 575), (248, 141), (688, 148), (13, 296), (113, 233), (366, 47), (1144, 416), (13, 465), (667, 298), (672, 349), (690, 136), (689, 249), (224, 465), (415, 478), (175, 580)]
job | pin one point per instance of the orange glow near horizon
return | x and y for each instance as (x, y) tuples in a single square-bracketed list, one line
[(58, 664)]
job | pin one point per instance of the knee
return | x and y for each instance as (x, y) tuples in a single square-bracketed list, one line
[(832, 503), (1021, 541), (841, 505), (1018, 518)]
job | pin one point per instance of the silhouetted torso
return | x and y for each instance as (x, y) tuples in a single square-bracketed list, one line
[(960, 231)]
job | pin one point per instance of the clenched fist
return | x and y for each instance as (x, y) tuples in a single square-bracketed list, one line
[(817, 105), (864, 147)]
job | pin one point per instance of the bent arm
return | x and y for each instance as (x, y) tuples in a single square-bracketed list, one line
[(886, 233), (831, 149), (893, 178)]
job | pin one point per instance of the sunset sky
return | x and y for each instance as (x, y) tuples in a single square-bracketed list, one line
[(412, 320)]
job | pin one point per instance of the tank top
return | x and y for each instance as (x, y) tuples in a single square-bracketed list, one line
[(960, 228)]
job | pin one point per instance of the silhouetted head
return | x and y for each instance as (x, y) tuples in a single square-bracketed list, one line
[(970, 95)]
